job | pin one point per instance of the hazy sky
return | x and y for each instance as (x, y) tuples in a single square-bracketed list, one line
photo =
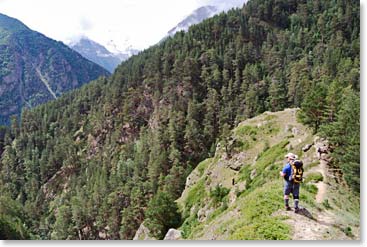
[(140, 23)]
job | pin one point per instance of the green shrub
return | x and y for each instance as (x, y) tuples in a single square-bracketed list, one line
[(10, 230), (218, 194), (348, 231), (326, 204)]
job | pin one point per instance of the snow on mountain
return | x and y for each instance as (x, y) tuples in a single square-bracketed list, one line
[(113, 52), (124, 54), (197, 16), (204, 12), (99, 54)]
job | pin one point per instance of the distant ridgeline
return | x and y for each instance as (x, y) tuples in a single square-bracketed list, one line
[(97, 162), (35, 69)]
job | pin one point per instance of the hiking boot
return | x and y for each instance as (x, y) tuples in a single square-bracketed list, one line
[(297, 210), (288, 208)]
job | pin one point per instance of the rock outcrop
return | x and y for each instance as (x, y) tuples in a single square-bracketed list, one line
[(173, 234), (143, 233)]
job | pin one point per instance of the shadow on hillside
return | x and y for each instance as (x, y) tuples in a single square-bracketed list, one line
[(306, 213)]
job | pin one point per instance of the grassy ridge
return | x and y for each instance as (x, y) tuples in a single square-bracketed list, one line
[(248, 211)]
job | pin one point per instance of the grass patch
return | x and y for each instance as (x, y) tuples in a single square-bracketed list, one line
[(307, 194), (218, 211), (313, 164), (203, 165), (195, 196), (240, 145), (314, 177), (270, 229), (246, 135), (244, 174), (266, 169), (246, 130), (189, 224), (311, 188), (270, 117), (256, 221), (269, 129), (272, 154)]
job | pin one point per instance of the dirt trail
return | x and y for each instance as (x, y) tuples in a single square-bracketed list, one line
[(319, 225), (321, 186), (320, 228)]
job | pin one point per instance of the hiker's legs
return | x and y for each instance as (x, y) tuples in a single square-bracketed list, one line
[(286, 200), (287, 191), (296, 194)]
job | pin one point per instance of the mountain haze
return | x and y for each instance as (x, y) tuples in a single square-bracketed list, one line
[(35, 69)]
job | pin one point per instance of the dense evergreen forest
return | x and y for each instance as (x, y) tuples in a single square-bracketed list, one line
[(96, 162)]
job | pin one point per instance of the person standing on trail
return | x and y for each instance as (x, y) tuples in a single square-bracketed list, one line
[(289, 185)]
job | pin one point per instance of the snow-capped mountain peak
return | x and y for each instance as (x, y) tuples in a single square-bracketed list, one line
[(197, 16), (96, 52), (204, 12)]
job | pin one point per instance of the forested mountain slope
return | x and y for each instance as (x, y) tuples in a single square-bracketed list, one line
[(97, 162), (35, 69)]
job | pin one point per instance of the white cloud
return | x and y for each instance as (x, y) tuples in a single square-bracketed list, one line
[(85, 24), (141, 23)]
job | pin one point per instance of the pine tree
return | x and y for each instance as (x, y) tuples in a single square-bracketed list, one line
[(211, 127), (314, 107), (62, 225), (194, 146), (344, 136), (277, 94), (162, 214), (333, 101)]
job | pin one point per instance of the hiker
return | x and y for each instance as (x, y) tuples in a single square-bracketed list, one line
[(289, 185)]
